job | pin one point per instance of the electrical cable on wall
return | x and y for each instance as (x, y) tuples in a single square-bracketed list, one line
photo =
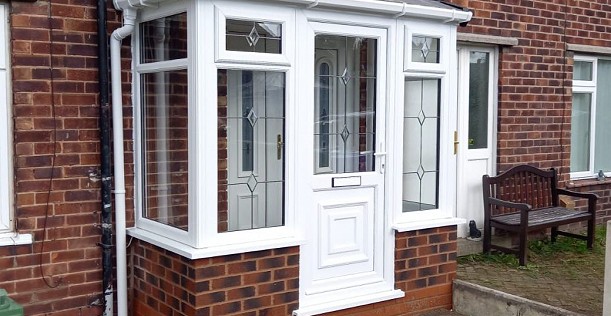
[(54, 155), (564, 95)]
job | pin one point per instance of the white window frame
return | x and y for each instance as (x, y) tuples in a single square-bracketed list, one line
[(8, 234), (253, 12), (6, 214), (415, 28), (588, 87), (202, 238), (446, 211), (140, 68)]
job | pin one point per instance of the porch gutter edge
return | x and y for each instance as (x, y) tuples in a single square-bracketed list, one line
[(380, 7)]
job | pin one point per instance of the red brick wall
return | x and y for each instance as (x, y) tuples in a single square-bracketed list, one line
[(59, 130), (257, 283), (535, 78)]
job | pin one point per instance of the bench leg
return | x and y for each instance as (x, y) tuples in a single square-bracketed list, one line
[(554, 233), (591, 229), (487, 237), (523, 248)]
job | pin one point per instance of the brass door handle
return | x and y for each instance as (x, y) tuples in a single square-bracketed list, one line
[(456, 142), (279, 147)]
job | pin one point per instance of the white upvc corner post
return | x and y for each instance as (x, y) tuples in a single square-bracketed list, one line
[(607, 288)]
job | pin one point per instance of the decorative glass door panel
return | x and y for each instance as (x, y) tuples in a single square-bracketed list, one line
[(344, 120), (421, 145), (251, 149)]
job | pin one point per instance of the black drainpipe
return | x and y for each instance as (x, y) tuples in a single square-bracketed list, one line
[(105, 161)]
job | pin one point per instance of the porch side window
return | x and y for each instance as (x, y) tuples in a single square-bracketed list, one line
[(164, 108), (591, 112), (421, 145), (251, 141)]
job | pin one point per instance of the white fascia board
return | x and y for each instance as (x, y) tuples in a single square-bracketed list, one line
[(395, 9)]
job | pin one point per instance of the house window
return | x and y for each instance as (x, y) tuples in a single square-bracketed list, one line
[(6, 206), (590, 115)]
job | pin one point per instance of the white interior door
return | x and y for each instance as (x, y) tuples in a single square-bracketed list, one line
[(342, 261), (477, 130)]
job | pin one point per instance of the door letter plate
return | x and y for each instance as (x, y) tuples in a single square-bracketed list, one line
[(346, 182)]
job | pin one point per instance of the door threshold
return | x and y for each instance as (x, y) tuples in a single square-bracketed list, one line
[(348, 303)]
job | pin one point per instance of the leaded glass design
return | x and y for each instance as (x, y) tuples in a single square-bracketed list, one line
[(251, 149), (254, 36), (345, 90), (425, 49), (421, 145)]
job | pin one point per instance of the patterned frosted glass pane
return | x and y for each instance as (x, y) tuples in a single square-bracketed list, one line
[(251, 149), (164, 39), (254, 36), (165, 130), (425, 49), (580, 132), (479, 66), (344, 119), (421, 145), (582, 70), (602, 153)]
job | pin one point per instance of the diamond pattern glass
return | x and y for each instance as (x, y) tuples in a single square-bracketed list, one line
[(421, 145), (253, 36), (251, 106), (425, 49), (345, 102)]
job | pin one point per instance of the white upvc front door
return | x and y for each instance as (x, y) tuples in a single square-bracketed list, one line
[(344, 260), (476, 130)]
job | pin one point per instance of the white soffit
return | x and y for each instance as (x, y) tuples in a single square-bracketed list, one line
[(429, 9)]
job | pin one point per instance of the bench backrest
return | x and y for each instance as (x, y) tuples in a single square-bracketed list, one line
[(523, 184)]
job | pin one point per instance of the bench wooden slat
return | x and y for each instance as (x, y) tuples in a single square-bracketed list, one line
[(542, 216)]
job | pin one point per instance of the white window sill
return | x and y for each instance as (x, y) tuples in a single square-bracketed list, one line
[(196, 253), (433, 223), (12, 239)]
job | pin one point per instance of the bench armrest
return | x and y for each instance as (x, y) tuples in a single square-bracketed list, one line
[(578, 194), (518, 206), (590, 196)]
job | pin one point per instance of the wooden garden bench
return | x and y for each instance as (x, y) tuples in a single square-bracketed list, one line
[(525, 199)]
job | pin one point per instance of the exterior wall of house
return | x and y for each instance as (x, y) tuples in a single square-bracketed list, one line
[(56, 189), (56, 159), (535, 79)]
